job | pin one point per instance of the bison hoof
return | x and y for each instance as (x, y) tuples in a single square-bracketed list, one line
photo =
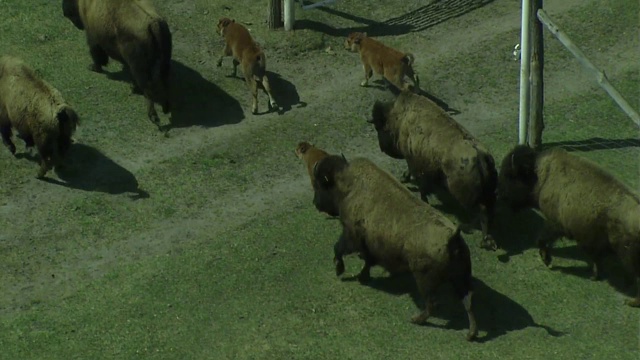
[(95, 68), (489, 243), (364, 83), (471, 336), (339, 267), (219, 63), (420, 319), (633, 302), (12, 149), (40, 174)]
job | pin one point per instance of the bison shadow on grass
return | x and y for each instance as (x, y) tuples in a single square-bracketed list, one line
[(284, 92), (495, 313), (195, 101), (90, 170)]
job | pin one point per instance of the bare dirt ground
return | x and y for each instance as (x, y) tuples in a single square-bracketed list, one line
[(133, 196)]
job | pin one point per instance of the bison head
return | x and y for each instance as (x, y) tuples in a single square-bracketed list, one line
[(387, 140), (352, 42), (518, 177), (68, 121), (72, 12), (222, 25), (326, 197)]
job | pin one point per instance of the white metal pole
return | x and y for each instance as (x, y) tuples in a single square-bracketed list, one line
[(525, 69), (289, 15)]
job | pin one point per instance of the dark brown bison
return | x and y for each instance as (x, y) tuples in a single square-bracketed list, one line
[(37, 110), (390, 63), (388, 226), (439, 151), (248, 54), (310, 155), (132, 33), (579, 200)]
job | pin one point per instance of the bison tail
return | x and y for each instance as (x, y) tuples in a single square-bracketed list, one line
[(162, 39), (409, 59)]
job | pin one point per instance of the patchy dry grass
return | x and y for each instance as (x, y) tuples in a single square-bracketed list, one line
[(205, 244)]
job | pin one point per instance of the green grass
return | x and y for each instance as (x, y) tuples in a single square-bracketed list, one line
[(228, 259)]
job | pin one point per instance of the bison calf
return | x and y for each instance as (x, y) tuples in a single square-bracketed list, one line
[(37, 111), (439, 151), (248, 54), (388, 226), (392, 64), (132, 33), (310, 155), (579, 200)]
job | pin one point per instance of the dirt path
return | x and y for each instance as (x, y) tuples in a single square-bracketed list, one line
[(330, 87)]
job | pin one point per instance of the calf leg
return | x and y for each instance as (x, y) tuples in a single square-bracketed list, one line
[(545, 241), (368, 72), (235, 68), (99, 57), (253, 87), (5, 132), (225, 52), (266, 87)]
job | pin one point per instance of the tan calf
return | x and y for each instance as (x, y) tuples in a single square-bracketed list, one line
[(248, 54), (392, 64)]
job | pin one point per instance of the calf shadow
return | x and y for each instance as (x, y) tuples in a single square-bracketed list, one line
[(88, 169), (496, 314), (284, 92), (195, 101)]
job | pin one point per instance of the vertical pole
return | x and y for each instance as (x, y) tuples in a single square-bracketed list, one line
[(289, 15), (275, 14), (525, 60), (536, 120)]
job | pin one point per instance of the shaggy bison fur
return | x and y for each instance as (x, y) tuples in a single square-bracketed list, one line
[(309, 154), (392, 64), (37, 111), (132, 33), (439, 151), (579, 200), (388, 226), (248, 54)]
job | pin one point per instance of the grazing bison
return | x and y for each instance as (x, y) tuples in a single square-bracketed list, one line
[(247, 53), (132, 33), (388, 226), (37, 111), (309, 154), (439, 151), (579, 200), (390, 63)]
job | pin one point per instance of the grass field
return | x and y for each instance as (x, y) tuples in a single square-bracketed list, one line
[(205, 244)]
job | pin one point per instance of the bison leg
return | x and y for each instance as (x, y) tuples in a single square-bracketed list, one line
[(426, 286), (486, 220), (368, 72), (595, 265), (365, 274), (99, 57), (635, 302), (266, 87), (5, 132), (545, 241), (152, 113), (46, 153)]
